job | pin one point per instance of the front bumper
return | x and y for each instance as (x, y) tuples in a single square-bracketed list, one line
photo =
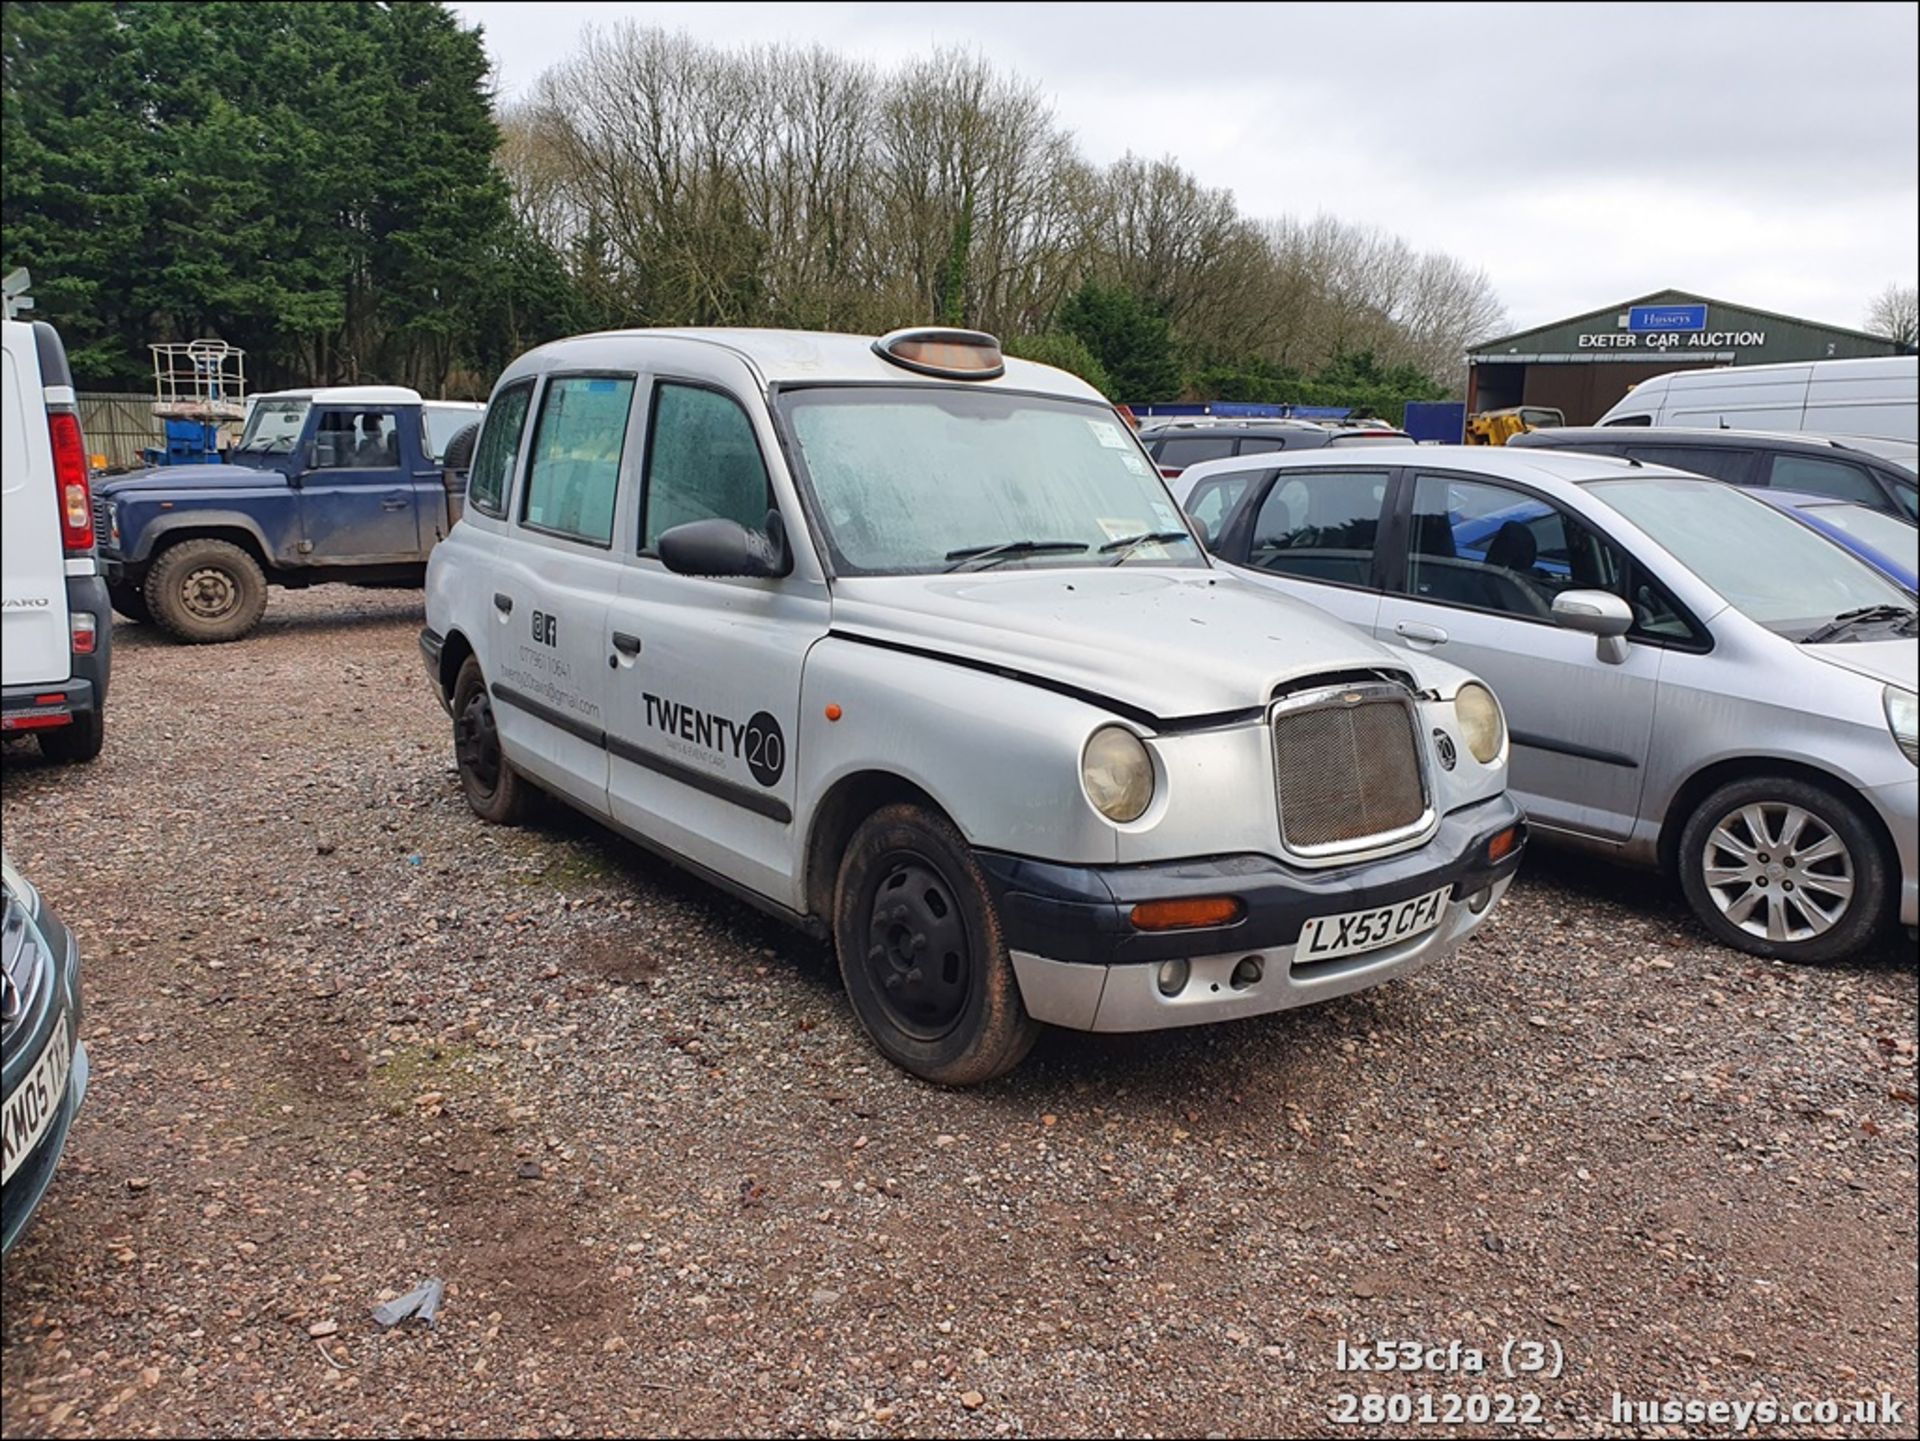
[(57, 1001), (1082, 964), (1899, 808)]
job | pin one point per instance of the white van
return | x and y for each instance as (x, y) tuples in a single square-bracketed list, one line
[(1879, 395), (57, 629)]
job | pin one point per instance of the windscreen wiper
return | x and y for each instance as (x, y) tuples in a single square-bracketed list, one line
[(1128, 544), (969, 555), (1865, 615)]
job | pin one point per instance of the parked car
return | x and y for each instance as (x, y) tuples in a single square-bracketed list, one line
[(56, 634), (42, 1063), (1875, 395), (335, 484), (1879, 474), (908, 645), (1885, 542), (445, 419), (1694, 680), (1176, 444)]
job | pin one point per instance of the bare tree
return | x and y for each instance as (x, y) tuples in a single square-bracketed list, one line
[(1895, 313)]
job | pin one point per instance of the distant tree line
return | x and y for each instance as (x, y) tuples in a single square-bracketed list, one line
[(330, 186)]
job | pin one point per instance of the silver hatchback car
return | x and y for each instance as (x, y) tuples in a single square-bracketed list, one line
[(1691, 679)]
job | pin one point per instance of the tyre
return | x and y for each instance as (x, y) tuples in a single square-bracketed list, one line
[(921, 951), (496, 791), (128, 600), (459, 453), (206, 591), (79, 740), (1782, 868)]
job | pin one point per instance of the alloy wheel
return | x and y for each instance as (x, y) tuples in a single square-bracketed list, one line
[(1778, 871)]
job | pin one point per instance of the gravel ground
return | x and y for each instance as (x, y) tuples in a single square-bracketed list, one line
[(345, 1037)]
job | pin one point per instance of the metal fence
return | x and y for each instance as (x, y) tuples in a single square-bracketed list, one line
[(118, 424)]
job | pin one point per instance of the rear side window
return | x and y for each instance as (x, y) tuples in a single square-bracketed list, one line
[(1214, 499), (703, 463), (1708, 460), (575, 467), (493, 459), (1184, 450), (1261, 444), (1817, 476), (1320, 526)]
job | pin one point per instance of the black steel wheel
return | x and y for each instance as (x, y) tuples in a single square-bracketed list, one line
[(494, 789), (921, 951)]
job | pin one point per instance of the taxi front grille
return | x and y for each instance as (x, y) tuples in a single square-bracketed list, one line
[(1347, 768)]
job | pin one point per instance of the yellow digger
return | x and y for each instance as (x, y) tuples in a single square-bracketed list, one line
[(1497, 427)]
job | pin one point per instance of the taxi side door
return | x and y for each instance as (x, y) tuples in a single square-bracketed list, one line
[(704, 672), (558, 567)]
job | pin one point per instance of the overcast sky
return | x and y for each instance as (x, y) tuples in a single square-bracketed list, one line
[(1764, 154)]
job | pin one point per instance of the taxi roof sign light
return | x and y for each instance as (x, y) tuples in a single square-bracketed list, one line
[(936, 350)]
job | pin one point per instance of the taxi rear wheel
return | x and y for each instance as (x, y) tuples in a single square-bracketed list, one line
[(921, 951), (494, 789)]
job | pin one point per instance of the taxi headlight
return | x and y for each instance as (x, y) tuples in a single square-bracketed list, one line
[(1903, 719), (1117, 774), (1481, 724)]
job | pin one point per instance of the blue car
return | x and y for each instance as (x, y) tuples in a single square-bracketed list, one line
[(1885, 542)]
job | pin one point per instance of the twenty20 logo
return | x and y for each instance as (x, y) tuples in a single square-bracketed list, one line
[(546, 628)]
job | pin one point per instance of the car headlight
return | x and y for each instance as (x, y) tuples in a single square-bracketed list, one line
[(1117, 774), (1903, 719), (1481, 724)]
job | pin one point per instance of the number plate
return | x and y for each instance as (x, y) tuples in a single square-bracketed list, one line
[(32, 1107), (1324, 937)]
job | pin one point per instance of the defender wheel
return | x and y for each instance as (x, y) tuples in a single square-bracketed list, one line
[(128, 600), (1781, 868), (921, 952), (77, 741), (206, 591), (494, 789)]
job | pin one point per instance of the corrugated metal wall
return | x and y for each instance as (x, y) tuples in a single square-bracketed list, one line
[(117, 424)]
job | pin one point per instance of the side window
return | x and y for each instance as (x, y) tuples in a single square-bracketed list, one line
[(1708, 460), (1261, 444), (1908, 495), (702, 463), (493, 459), (1320, 525), (1181, 451), (356, 440), (1631, 420), (1214, 499), (574, 469), (1482, 545), (1825, 477)]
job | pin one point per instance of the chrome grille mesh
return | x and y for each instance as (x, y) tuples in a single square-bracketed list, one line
[(1346, 772)]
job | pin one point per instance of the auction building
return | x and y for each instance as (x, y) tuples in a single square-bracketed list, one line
[(1583, 365)]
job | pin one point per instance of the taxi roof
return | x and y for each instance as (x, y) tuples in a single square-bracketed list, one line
[(789, 356)]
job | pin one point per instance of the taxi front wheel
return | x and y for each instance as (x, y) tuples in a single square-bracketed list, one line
[(494, 789), (921, 952)]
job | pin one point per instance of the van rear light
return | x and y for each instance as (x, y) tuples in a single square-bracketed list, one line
[(86, 632), (70, 480)]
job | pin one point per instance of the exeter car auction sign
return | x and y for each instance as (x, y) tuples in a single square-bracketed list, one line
[(1668, 327)]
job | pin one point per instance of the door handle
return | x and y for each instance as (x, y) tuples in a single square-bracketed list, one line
[(503, 603), (627, 645), (393, 505), (1420, 633)]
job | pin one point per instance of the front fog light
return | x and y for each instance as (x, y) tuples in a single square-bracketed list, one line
[(1903, 719), (1117, 774), (1173, 977), (1480, 900), (1480, 722)]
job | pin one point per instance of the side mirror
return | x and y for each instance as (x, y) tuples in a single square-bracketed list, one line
[(727, 548), (1597, 613)]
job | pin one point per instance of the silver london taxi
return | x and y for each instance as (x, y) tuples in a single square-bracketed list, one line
[(908, 644)]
